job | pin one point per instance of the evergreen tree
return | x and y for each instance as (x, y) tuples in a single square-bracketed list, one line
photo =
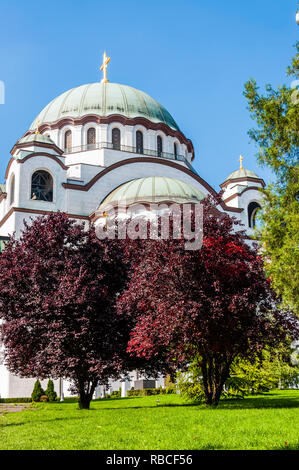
[(50, 392), (37, 391)]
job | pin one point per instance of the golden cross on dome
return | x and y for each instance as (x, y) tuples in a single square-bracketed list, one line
[(37, 125), (106, 61), (241, 162)]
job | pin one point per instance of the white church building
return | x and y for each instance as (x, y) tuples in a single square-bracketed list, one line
[(95, 141)]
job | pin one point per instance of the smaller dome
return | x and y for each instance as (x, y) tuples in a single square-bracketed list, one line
[(36, 138), (242, 174), (153, 189)]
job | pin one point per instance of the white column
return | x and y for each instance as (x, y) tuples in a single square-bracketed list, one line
[(151, 140), (129, 136), (77, 140), (103, 133), (125, 386)]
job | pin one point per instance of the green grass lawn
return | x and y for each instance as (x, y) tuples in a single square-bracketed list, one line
[(268, 421)]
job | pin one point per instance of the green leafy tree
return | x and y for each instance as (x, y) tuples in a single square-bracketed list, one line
[(274, 368), (37, 391), (50, 392), (189, 383), (277, 118)]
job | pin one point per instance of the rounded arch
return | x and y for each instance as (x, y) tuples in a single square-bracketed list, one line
[(43, 154), (176, 149), (116, 138), (252, 210), (67, 140), (91, 138), (159, 145), (151, 160), (139, 142), (42, 185), (12, 189)]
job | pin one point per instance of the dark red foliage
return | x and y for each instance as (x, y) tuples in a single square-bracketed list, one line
[(214, 302), (58, 287)]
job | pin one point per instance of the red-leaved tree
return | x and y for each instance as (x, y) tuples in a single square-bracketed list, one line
[(214, 302), (58, 287)]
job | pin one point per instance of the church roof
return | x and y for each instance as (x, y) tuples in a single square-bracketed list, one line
[(242, 173), (39, 138), (153, 189), (104, 99)]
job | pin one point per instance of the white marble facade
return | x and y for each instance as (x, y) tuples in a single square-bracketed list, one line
[(83, 174)]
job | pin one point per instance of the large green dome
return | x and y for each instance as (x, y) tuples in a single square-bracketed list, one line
[(153, 189), (104, 99)]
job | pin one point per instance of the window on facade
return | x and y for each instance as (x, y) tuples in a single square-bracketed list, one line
[(253, 208), (175, 150), (12, 189), (91, 138), (68, 140), (159, 146), (116, 138), (3, 241), (139, 142), (42, 186)]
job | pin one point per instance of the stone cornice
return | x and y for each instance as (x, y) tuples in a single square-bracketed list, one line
[(8, 167), (2, 196), (38, 144), (246, 178), (39, 212)]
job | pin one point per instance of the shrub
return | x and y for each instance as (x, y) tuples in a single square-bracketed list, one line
[(270, 370), (171, 388), (189, 383), (37, 391), (273, 369), (43, 398), (50, 392), (145, 392), (16, 400)]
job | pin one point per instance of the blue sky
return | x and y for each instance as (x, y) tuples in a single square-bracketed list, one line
[(193, 56)]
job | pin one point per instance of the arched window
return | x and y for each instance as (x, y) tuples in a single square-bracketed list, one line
[(253, 208), (139, 142), (12, 189), (116, 138), (42, 186), (175, 150), (67, 141), (91, 138), (159, 146)]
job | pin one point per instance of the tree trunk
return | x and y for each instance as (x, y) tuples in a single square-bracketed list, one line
[(86, 390), (215, 371), (84, 401)]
